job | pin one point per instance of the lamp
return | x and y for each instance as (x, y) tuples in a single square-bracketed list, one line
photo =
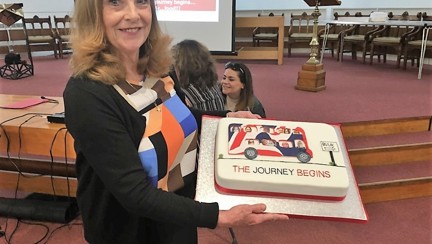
[(14, 67)]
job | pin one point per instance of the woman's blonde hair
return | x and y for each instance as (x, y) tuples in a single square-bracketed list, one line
[(94, 57)]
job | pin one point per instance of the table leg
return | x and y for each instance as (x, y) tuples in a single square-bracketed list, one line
[(326, 31), (425, 34)]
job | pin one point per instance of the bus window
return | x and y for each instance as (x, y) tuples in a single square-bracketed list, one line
[(252, 141), (268, 142), (235, 128), (300, 144), (247, 129), (285, 143)]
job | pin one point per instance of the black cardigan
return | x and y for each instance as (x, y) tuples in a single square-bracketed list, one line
[(117, 203)]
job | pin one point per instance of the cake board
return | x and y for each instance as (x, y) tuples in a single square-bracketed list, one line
[(350, 209)]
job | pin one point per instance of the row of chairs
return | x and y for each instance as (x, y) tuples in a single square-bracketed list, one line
[(376, 40), (372, 40), (41, 32)]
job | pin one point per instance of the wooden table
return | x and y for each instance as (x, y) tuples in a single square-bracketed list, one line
[(35, 155)]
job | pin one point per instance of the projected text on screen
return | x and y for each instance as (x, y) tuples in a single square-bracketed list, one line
[(188, 10)]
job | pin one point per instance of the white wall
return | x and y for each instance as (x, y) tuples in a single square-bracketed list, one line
[(43, 8), (62, 7), (362, 4)]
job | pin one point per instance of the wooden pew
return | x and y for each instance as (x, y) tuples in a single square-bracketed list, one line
[(268, 53)]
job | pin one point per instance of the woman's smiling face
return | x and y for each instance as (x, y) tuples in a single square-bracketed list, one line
[(127, 24), (231, 84)]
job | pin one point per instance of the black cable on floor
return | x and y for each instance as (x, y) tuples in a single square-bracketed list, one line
[(233, 236)]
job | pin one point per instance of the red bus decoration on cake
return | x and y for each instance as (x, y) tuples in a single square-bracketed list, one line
[(268, 140)]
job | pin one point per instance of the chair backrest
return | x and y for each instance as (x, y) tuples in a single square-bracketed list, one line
[(37, 26), (418, 34), (398, 31), (405, 16), (347, 16), (425, 17), (337, 15), (302, 23), (358, 16), (62, 25), (273, 30), (359, 29), (271, 14)]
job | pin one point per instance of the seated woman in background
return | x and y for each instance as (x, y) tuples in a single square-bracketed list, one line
[(237, 90), (196, 75)]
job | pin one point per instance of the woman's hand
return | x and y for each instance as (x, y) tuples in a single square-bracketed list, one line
[(246, 214), (243, 114)]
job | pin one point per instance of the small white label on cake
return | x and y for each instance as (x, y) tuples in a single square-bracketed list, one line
[(329, 146)]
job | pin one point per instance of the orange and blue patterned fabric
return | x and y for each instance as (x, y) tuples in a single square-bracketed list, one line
[(168, 147)]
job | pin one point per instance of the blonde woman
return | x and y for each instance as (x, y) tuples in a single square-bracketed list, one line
[(135, 140)]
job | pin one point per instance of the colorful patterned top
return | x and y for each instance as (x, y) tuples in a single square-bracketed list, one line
[(167, 157)]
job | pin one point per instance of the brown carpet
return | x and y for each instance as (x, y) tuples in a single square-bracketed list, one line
[(355, 92), (393, 222)]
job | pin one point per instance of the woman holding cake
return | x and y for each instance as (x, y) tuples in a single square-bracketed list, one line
[(135, 140), (238, 90)]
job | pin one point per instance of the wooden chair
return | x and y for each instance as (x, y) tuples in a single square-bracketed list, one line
[(412, 44), (40, 34), (300, 30), (265, 33), (357, 37), (62, 30), (391, 36), (335, 33)]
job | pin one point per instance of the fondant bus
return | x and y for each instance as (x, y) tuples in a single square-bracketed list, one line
[(268, 140)]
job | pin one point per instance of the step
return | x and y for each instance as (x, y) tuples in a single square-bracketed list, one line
[(394, 182), (386, 173), (42, 167), (396, 190), (356, 143), (389, 149), (398, 156), (386, 126)]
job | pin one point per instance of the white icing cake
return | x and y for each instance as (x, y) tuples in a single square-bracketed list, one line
[(280, 158)]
